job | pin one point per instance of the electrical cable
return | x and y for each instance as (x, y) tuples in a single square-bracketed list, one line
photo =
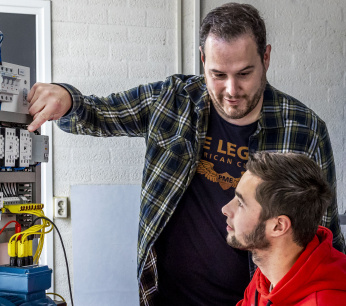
[(13, 221), (63, 247), (1, 39), (52, 293), (34, 230)]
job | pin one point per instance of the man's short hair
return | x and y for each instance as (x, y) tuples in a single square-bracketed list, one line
[(233, 20), (292, 185)]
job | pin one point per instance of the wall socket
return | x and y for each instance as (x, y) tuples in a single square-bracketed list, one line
[(60, 207)]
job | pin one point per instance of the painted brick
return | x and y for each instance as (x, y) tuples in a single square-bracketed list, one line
[(94, 14), (160, 19), (313, 29), (109, 3), (92, 155), (71, 66), (171, 68), (106, 33), (146, 70), (171, 38), (147, 4), (299, 11), (88, 49), (144, 36), (126, 16), (328, 10), (99, 85), (64, 140), (62, 32), (172, 6), (336, 96), (133, 52), (104, 69), (60, 12), (61, 50), (106, 174), (161, 54), (66, 3)]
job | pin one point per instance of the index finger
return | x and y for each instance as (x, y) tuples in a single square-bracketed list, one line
[(40, 118)]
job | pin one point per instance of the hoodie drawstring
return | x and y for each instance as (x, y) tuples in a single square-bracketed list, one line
[(256, 298)]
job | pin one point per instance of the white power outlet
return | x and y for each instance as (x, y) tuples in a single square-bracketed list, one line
[(60, 207)]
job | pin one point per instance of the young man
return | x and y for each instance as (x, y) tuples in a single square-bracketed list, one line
[(199, 131), (275, 213)]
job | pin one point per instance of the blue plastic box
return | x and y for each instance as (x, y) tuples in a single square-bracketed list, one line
[(29, 282)]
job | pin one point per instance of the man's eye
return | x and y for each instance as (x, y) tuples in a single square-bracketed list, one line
[(218, 75), (244, 73), (240, 204)]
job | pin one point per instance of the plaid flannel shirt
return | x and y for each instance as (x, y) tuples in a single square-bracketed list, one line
[(173, 117)]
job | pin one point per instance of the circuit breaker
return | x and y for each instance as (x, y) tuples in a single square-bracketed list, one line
[(15, 86)]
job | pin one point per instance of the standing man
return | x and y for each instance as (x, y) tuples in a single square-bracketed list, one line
[(198, 131), (275, 213)]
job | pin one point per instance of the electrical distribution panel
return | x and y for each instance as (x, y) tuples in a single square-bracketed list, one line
[(21, 152)]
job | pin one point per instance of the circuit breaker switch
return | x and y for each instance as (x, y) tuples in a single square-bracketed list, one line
[(14, 88)]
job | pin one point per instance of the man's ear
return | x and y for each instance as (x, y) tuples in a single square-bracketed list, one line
[(202, 55), (266, 57), (279, 226)]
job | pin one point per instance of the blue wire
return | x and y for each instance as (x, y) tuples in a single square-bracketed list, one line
[(1, 39)]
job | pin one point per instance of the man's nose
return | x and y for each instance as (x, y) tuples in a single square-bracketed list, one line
[(232, 87), (228, 210)]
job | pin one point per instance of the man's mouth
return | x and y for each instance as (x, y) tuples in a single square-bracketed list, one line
[(234, 100), (229, 228)]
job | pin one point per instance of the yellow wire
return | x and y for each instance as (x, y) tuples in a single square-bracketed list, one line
[(51, 293), (38, 229)]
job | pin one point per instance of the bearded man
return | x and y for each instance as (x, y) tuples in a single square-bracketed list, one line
[(275, 213)]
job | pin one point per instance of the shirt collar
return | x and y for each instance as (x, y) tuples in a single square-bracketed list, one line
[(271, 115), (197, 91)]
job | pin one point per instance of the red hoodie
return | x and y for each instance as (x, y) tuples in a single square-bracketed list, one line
[(318, 277)]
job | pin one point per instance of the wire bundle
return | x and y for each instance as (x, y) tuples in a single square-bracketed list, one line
[(20, 244), (9, 189)]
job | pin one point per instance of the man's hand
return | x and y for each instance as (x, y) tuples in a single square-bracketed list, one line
[(47, 102)]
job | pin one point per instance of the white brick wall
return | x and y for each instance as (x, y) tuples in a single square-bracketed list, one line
[(104, 46)]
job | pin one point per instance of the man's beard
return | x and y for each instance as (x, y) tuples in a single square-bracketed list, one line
[(255, 240), (250, 103)]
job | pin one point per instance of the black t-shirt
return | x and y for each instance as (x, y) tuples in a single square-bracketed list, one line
[(195, 264)]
